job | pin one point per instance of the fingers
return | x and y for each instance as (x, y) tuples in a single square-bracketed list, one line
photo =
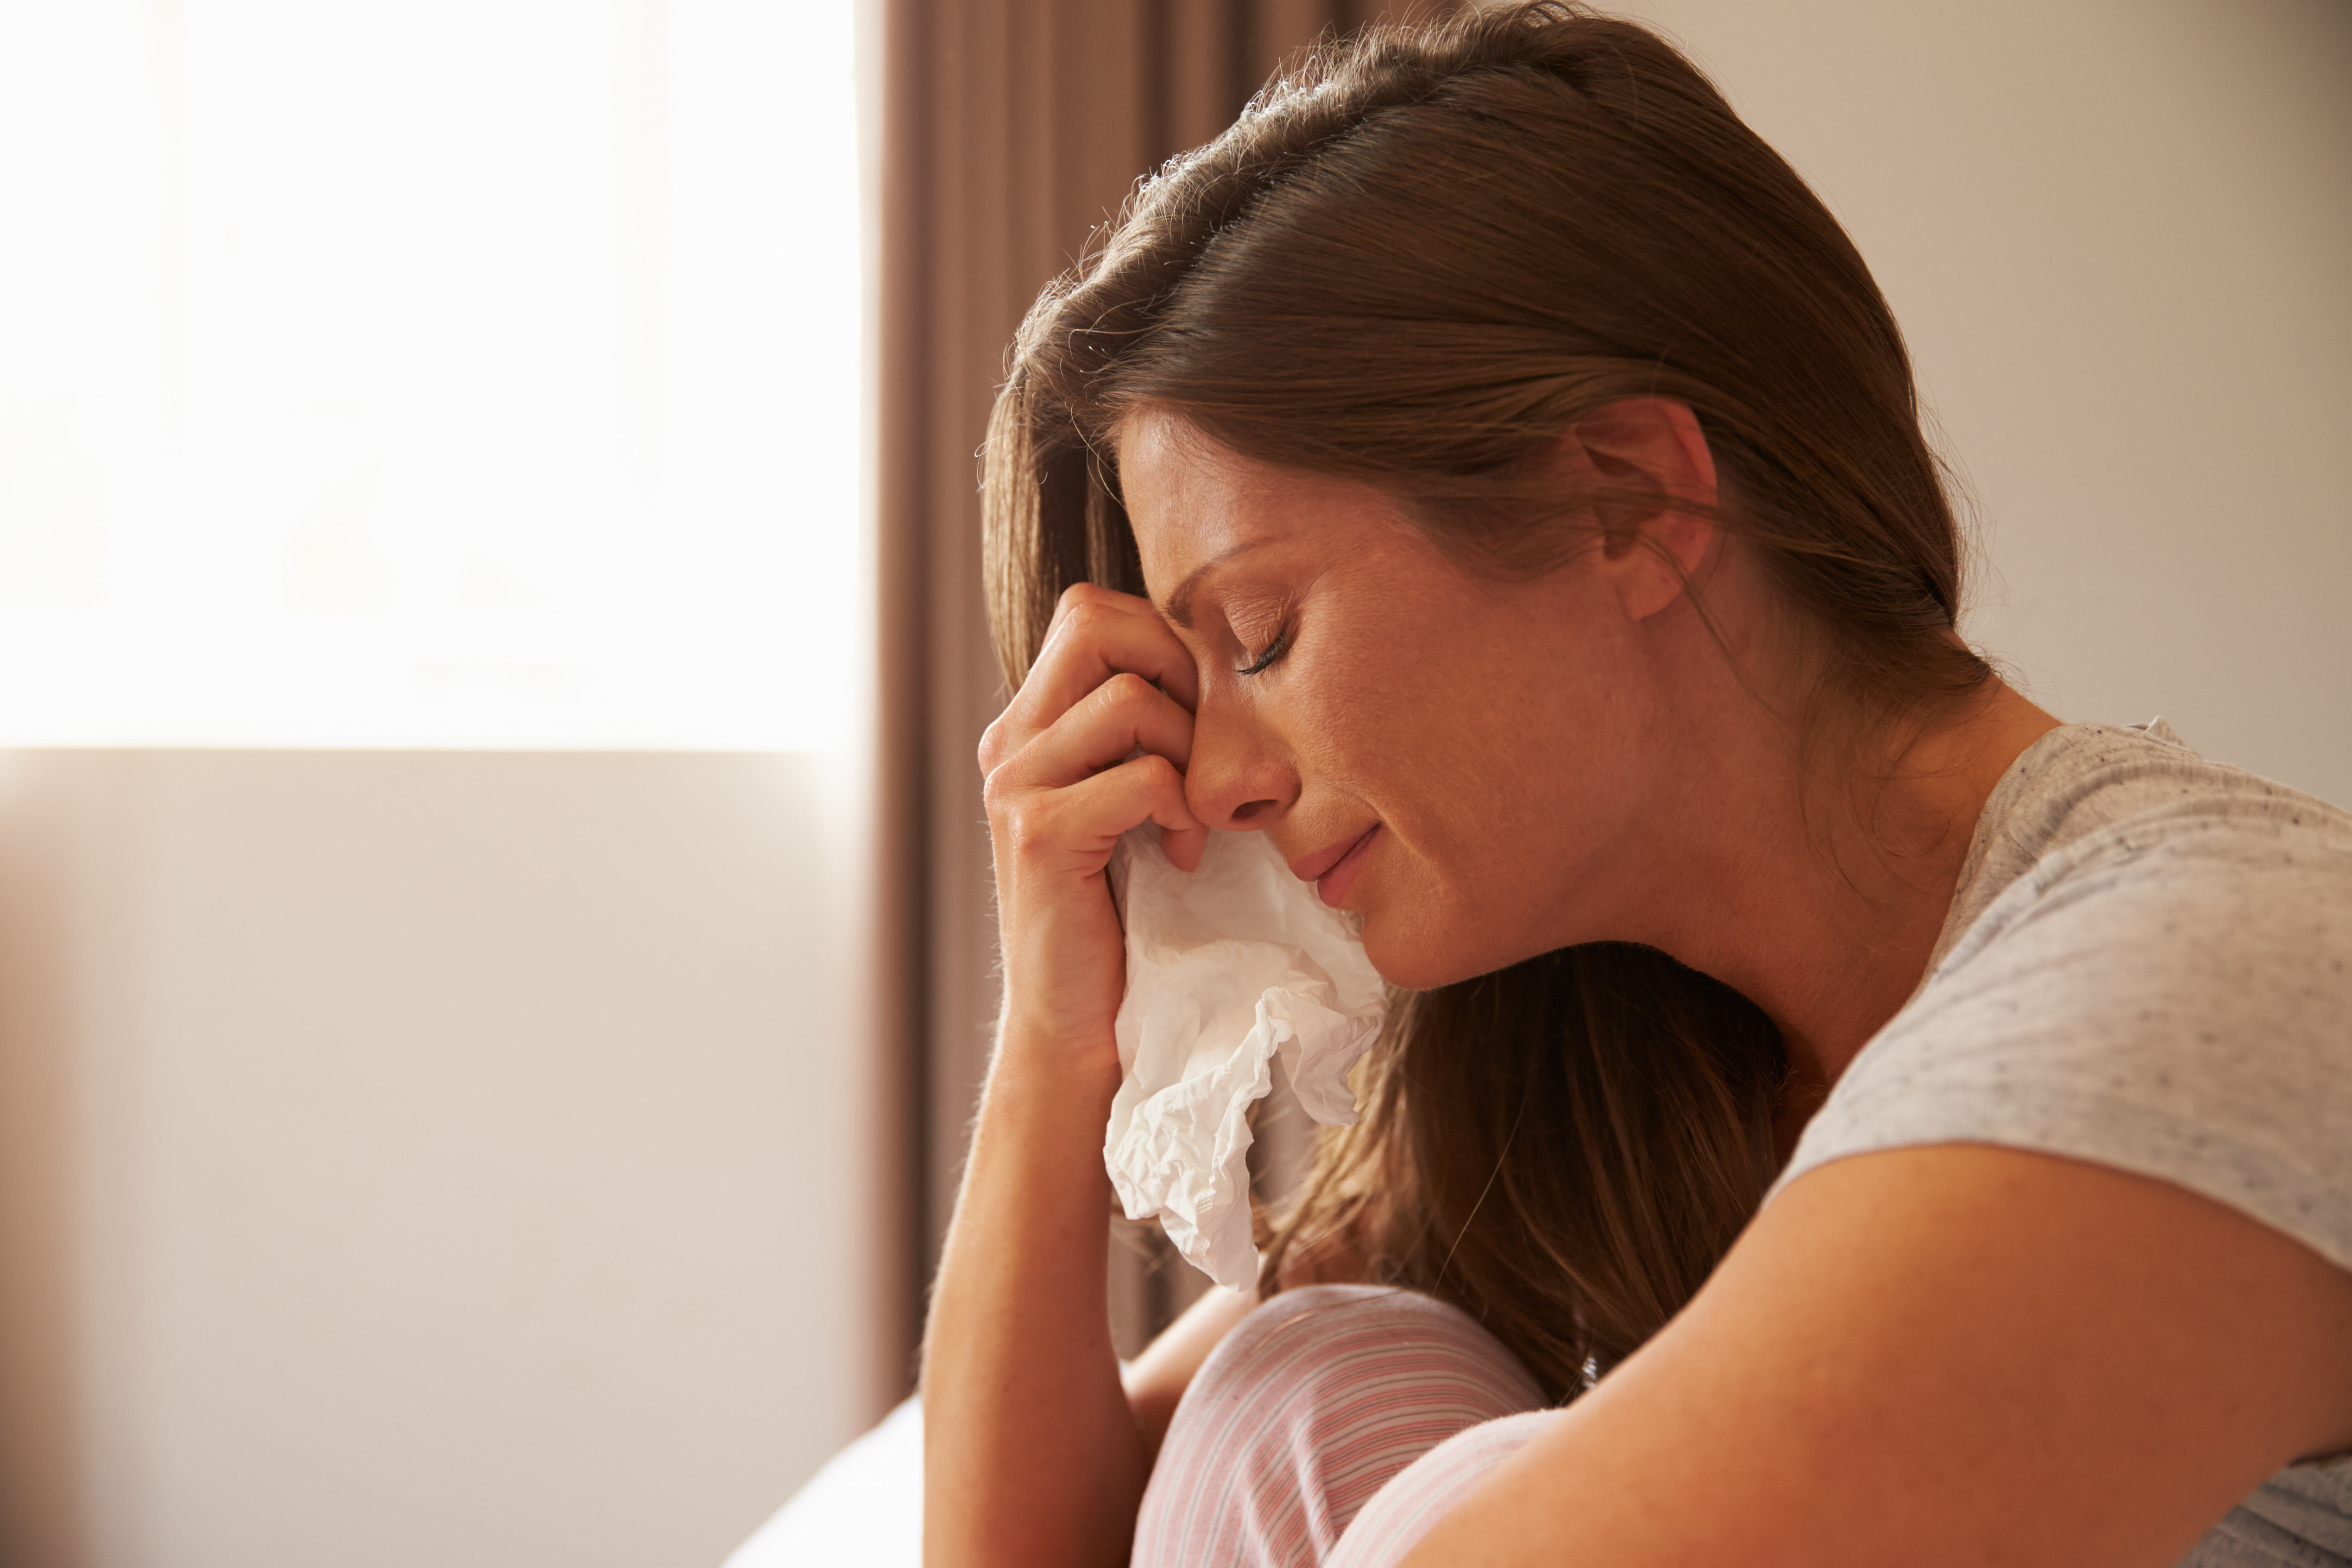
[(1095, 634), (1107, 726), (1071, 829), (1096, 738), (1184, 846)]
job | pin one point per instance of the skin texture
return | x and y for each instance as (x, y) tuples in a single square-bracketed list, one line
[(1906, 1351)]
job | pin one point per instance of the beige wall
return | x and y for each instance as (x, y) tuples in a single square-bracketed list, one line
[(2119, 235), (426, 1159)]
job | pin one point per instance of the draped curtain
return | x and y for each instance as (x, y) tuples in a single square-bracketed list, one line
[(1011, 129)]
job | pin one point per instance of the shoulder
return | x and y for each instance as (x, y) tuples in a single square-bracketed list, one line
[(2089, 804), (2152, 970), (2122, 885)]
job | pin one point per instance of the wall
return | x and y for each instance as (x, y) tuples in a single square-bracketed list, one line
[(2117, 234), (427, 1158)]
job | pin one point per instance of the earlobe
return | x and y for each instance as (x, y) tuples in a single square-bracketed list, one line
[(1647, 462)]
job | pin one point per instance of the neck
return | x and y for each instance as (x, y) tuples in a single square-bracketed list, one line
[(1824, 908)]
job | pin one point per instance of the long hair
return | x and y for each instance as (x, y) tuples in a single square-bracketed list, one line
[(1415, 261)]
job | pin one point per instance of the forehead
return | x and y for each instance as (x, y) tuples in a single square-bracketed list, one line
[(1193, 501), (1181, 484)]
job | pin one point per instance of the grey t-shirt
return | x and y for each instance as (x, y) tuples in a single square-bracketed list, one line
[(2147, 964)]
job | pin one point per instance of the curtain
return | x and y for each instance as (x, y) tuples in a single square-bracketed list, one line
[(1011, 130)]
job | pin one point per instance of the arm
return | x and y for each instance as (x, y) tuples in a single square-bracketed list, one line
[(1157, 1379), (1944, 1356), (1032, 1453)]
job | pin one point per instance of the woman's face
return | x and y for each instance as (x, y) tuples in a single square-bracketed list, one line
[(1472, 764)]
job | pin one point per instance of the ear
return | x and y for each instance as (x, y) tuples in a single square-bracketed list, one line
[(1649, 459)]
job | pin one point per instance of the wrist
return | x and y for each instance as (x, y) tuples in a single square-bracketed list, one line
[(1073, 1033), (1048, 1065)]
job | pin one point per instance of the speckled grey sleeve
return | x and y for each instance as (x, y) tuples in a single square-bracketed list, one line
[(2150, 967)]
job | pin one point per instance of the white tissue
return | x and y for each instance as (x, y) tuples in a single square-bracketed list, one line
[(1226, 967)]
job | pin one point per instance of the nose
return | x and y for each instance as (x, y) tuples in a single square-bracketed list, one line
[(1240, 778)]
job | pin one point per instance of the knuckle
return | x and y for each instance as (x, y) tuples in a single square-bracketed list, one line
[(1126, 690), (1158, 770), (1027, 823), (998, 793)]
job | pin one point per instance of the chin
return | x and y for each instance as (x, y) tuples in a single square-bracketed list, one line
[(1432, 947), (1411, 960)]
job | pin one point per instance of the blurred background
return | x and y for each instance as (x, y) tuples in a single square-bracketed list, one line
[(494, 938)]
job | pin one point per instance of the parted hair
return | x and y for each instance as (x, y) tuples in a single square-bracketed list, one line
[(1419, 257)]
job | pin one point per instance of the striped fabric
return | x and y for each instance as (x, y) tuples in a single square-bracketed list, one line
[(1401, 1513), (1313, 1404)]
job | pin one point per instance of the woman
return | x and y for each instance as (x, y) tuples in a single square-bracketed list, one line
[(1838, 1114)]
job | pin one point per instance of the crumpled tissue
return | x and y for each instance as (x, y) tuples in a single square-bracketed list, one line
[(1227, 967)]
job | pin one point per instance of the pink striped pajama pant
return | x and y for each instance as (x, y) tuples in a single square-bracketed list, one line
[(1333, 1426)]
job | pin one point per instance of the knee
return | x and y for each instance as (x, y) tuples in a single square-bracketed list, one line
[(1325, 1340), (1307, 1409)]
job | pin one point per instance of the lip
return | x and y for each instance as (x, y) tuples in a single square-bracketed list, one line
[(1333, 868)]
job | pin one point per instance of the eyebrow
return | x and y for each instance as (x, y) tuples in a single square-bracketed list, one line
[(1178, 609)]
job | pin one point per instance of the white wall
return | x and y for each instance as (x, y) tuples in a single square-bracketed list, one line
[(445, 1159), (2118, 234)]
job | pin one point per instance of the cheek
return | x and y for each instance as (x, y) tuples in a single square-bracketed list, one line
[(1480, 780), (1387, 704)]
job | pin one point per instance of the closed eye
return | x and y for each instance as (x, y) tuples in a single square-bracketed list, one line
[(1274, 650)]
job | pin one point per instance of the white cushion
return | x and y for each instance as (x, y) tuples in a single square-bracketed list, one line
[(863, 1509)]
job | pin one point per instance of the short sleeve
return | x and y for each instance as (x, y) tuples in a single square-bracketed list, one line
[(2171, 995)]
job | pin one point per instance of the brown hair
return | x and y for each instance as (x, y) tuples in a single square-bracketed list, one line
[(1415, 261)]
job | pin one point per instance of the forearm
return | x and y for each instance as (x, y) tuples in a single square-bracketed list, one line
[(1032, 1454)]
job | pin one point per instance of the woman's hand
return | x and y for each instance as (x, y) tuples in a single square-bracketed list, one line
[(1095, 742)]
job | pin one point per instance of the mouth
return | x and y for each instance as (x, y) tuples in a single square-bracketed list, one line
[(1333, 868)]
